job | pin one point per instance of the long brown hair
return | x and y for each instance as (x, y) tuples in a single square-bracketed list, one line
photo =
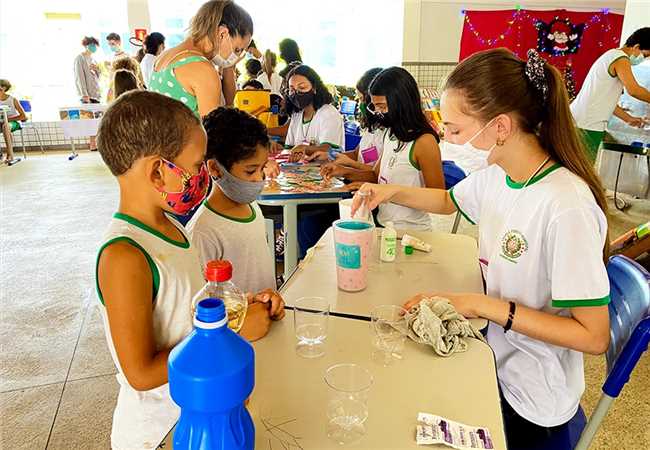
[(270, 61), (214, 13), (124, 81), (493, 82)]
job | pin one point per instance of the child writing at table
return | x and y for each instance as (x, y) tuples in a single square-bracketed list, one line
[(541, 212), (229, 224), (147, 271), (410, 157)]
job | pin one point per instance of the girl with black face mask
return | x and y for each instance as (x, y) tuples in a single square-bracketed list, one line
[(315, 125), (411, 156)]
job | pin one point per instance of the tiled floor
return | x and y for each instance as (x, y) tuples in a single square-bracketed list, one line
[(57, 388)]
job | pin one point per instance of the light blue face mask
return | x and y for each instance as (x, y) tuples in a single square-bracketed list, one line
[(638, 59), (92, 48), (238, 190)]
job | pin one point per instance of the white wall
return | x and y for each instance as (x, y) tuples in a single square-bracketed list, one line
[(637, 15), (138, 13), (432, 29)]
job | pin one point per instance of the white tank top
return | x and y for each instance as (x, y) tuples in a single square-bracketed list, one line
[(599, 94), (9, 103), (142, 418), (398, 166)]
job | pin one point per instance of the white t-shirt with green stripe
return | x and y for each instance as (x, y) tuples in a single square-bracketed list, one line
[(540, 246), (142, 418), (398, 166), (240, 241), (326, 127)]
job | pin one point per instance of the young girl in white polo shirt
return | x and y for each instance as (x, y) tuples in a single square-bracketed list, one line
[(542, 238)]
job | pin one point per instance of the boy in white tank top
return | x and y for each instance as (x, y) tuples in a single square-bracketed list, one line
[(147, 271)]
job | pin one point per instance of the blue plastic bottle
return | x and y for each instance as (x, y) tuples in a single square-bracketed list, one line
[(211, 374)]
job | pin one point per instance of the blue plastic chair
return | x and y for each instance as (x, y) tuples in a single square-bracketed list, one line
[(453, 175), (629, 316)]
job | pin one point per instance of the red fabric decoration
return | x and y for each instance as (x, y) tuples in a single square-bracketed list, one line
[(562, 37)]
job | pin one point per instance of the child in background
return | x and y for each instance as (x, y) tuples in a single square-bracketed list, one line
[(371, 146), (124, 81), (124, 63), (230, 225), (269, 77), (15, 115), (411, 156), (252, 85), (147, 271)]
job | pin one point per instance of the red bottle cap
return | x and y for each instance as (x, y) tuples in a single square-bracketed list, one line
[(218, 271)]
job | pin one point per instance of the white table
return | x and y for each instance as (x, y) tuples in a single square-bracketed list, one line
[(80, 121), (290, 392), (452, 266)]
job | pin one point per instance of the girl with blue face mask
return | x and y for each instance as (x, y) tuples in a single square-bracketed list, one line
[(86, 72), (601, 90), (229, 224)]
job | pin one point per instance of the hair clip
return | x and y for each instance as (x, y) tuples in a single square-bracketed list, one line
[(535, 72)]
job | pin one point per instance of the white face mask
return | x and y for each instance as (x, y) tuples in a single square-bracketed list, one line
[(468, 145), (226, 62)]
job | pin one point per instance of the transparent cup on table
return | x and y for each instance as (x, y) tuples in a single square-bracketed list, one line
[(310, 317), (363, 213), (347, 402), (388, 333)]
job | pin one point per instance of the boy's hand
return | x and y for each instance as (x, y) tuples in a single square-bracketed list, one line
[(257, 322), (297, 153), (331, 170), (274, 302), (271, 169)]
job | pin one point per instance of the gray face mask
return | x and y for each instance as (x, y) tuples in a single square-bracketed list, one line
[(237, 190)]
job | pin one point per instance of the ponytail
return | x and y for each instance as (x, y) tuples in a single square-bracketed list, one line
[(496, 81)]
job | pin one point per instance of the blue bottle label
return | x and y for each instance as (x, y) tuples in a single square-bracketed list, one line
[(348, 256)]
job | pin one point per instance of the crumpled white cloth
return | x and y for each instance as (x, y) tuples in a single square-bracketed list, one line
[(435, 322)]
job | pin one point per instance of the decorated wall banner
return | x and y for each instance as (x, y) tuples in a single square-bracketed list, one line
[(569, 40)]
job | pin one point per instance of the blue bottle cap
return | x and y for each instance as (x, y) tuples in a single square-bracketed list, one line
[(210, 311)]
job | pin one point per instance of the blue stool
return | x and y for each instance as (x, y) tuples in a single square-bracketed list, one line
[(629, 316), (453, 175)]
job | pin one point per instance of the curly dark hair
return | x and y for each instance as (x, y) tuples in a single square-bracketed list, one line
[(321, 96), (87, 40), (233, 135), (253, 84), (408, 121), (367, 121), (641, 37)]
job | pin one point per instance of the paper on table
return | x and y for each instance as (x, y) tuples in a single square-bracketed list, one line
[(438, 430)]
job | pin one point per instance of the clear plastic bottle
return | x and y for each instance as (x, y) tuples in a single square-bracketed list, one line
[(388, 243), (219, 285)]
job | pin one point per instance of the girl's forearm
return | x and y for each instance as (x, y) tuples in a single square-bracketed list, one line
[(550, 328), (437, 201)]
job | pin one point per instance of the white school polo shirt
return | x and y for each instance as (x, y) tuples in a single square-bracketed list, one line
[(539, 246), (326, 127)]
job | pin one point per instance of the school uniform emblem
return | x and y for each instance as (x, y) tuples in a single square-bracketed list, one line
[(513, 245)]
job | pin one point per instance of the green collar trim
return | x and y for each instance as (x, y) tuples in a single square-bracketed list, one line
[(515, 185), (135, 222), (248, 219)]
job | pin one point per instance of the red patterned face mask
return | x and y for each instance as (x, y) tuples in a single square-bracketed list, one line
[(195, 188)]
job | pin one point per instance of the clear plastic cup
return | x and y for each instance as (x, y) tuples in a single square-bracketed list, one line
[(347, 406), (353, 241), (310, 317), (388, 333)]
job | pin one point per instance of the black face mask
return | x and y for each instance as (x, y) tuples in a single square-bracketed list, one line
[(301, 99)]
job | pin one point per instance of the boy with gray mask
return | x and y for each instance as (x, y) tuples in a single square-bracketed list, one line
[(229, 224)]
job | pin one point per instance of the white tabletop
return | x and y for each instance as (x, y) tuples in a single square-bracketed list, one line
[(452, 266), (290, 390)]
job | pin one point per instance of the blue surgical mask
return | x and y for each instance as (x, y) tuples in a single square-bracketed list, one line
[(238, 190), (638, 59), (92, 48)]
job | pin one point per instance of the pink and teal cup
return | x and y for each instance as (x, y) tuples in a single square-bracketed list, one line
[(352, 246)]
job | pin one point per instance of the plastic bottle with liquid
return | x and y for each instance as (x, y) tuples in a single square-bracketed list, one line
[(388, 243), (211, 374), (218, 274)]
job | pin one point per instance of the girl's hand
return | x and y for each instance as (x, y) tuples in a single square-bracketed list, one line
[(637, 122), (378, 194), (331, 170), (344, 160), (297, 153), (464, 304), (354, 186), (317, 156), (274, 302), (272, 169)]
